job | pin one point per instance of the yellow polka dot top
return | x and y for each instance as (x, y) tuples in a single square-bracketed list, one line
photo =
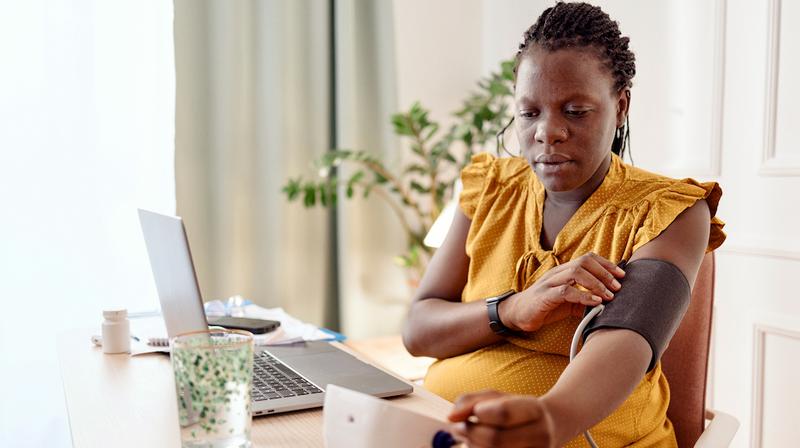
[(504, 199)]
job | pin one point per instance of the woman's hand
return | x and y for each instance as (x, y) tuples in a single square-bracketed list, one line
[(556, 295), (494, 419)]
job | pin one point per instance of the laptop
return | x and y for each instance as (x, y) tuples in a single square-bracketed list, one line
[(285, 378)]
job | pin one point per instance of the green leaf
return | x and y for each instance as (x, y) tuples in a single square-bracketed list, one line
[(467, 138), (417, 168), (323, 194), (309, 194), (507, 70), (400, 124), (355, 178), (498, 88), (431, 129), (416, 186), (292, 189), (379, 178)]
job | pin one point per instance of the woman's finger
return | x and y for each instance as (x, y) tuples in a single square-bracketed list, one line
[(577, 275), (607, 264), (462, 408), (598, 267), (566, 293), (508, 411), (481, 435)]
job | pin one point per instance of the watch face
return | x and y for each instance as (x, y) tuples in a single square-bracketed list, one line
[(497, 327)]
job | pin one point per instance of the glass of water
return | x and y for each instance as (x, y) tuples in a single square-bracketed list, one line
[(213, 377)]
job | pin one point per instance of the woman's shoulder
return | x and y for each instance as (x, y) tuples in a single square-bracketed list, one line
[(503, 170), (641, 187), (657, 200), (487, 176)]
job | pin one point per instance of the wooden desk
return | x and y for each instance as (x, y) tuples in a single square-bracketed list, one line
[(389, 353), (122, 401)]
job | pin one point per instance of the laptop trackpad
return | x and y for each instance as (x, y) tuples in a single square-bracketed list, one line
[(323, 365), (346, 371)]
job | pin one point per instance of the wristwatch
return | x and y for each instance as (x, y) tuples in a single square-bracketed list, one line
[(494, 317)]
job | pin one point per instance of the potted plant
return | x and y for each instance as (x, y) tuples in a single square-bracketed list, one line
[(418, 190)]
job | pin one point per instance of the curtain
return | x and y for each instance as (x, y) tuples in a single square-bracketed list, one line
[(374, 293), (252, 108), (256, 85), (87, 93)]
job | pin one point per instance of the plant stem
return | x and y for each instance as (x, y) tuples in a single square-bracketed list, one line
[(376, 167), (434, 212), (396, 208)]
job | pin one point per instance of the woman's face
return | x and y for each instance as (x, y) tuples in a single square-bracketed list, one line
[(567, 111)]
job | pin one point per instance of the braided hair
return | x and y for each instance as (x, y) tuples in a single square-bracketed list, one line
[(584, 25)]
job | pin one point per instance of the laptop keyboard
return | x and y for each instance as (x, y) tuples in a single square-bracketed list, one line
[(272, 379)]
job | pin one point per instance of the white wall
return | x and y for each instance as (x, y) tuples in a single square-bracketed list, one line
[(438, 53), (86, 136), (756, 286)]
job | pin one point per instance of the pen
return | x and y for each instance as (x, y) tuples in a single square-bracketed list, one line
[(98, 340)]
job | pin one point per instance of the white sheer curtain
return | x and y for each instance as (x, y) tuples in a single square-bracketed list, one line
[(86, 136), (253, 108)]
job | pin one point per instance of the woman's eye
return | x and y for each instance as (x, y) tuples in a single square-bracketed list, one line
[(528, 114), (576, 112)]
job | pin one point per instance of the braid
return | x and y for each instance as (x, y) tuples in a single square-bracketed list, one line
[(583, 25)]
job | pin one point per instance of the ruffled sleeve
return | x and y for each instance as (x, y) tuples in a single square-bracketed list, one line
[(473, 180), (661, 208)]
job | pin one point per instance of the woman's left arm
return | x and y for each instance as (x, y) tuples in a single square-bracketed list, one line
[(585, 393)]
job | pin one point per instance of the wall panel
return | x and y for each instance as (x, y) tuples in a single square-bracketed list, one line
[(781, 152)]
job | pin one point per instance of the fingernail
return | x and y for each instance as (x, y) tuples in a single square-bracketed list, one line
[(609, 294), (619, 269), (616, 284), (597, 298)]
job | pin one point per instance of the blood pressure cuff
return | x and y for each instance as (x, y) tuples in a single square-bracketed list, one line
[(652, 301)]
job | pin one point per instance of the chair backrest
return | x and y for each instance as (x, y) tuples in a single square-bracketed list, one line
[(685, 362)]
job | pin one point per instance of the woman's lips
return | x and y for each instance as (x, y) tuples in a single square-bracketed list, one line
[(552, 167), (551, 158)]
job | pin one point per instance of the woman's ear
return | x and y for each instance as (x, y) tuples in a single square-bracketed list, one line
[(623, 106)]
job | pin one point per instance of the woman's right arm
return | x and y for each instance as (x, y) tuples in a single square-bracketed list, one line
[(439, 325)]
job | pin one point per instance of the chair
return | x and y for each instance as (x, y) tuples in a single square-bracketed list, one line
[(685, 364)]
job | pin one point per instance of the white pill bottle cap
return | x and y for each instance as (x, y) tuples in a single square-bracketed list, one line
[(115, 314)]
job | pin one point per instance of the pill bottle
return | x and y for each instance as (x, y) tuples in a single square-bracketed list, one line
[(116, 331)]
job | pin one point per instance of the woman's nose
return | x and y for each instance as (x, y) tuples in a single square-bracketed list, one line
[(550, 131)]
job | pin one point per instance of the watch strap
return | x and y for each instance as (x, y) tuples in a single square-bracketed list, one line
[(495, 323)]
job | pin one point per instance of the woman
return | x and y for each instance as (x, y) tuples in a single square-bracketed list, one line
[(551, 226)]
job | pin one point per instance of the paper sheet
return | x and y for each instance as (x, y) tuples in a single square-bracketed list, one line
[(290, 331)]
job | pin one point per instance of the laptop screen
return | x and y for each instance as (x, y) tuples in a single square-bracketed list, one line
[(173, 271)]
